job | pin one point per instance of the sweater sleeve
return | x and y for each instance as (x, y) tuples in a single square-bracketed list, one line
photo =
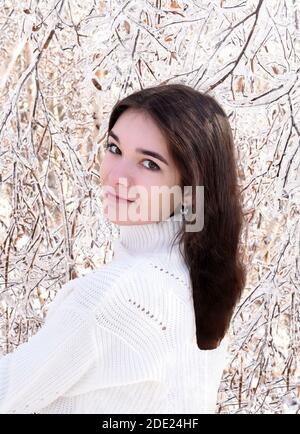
[(45, 367)]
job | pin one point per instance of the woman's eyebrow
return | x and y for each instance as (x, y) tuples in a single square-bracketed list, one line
[(141, 150)]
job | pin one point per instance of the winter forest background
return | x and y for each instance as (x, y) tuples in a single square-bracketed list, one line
[(63, 64)]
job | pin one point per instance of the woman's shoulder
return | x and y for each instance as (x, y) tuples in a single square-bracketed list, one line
[(88, 290), (168, 273), (154, 275)]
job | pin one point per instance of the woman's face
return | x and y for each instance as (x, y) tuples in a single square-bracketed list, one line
[(127, 171)]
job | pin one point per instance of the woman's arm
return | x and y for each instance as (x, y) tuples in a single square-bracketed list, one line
[(45, 367)]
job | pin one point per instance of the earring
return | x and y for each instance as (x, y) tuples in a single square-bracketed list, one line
[(184, 210)]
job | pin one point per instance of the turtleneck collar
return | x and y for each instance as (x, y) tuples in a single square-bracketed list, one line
[(156, 237)]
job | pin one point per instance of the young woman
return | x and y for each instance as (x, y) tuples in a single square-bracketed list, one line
[(146, 333)]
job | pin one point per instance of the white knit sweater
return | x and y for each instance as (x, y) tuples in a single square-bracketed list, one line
[(121, 339)]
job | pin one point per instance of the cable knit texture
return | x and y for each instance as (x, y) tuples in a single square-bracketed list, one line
[(121, 339)]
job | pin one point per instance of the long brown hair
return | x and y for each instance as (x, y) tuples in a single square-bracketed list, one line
[(200, 141)]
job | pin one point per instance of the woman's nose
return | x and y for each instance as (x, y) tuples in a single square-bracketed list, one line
[(119, 180), (120, 174)]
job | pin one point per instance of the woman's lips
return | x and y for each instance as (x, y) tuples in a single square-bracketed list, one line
[(117, 198)]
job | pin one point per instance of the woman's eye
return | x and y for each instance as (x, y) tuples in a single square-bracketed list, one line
[(110, 145), (156, 167)]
